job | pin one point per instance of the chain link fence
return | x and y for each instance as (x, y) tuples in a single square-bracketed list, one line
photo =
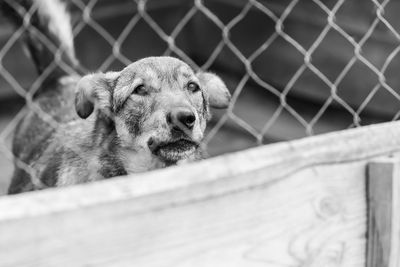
[(295, 68)]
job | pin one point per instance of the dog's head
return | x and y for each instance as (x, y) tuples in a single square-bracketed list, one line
[(158, 105)]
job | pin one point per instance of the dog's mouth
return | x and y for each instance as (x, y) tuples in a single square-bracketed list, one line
[(173, 151)]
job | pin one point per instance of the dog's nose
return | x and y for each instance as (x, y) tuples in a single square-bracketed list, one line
[(181, 119)]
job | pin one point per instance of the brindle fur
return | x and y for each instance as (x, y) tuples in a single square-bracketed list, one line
[(96, 127)]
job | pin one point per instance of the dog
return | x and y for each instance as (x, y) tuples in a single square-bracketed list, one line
[(150, 115)]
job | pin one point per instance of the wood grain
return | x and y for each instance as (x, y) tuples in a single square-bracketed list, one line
[(300, 203), (313, 218), (384, 216)]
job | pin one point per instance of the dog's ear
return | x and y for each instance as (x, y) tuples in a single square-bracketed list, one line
[(218, 94), (94, 89)]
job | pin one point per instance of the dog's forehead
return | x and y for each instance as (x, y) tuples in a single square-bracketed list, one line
[(159, 68)]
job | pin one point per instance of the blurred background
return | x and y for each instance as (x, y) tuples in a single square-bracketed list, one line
[(294, 68)]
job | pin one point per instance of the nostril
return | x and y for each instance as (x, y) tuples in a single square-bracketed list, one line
[(151, 143), (190, 119), (187, 119), (169, 118)]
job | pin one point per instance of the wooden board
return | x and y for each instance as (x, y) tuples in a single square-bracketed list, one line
[(299, 203), (384, 200), (314, 217)]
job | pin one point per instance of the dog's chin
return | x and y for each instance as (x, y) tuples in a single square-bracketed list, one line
[(171, 152)]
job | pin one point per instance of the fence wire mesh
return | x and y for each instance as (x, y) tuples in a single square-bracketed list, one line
[(278, 36)]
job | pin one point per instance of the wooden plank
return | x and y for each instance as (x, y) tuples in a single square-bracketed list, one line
[(384, 215), (299, 203), (315, 217)]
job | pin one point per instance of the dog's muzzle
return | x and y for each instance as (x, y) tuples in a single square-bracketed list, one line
[(180, 145)]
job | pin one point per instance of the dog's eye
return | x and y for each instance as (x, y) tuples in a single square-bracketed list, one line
[(193, 87), (140, 90)]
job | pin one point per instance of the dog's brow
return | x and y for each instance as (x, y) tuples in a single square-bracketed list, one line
[(184, 71), (127, 86), (186, 75)]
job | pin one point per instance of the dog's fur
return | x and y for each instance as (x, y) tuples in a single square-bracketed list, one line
[(102, 125)]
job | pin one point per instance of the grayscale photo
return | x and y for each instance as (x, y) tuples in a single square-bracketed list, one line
[(204, 133)]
